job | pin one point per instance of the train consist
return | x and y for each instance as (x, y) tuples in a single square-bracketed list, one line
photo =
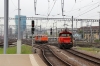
[(65, 39), (40, 39)]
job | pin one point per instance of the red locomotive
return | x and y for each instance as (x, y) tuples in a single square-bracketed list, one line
[(41, 39), (65, 39)]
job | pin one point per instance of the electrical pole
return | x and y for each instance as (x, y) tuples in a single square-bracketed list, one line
[(26, 33), (83, 28), (35, 2), (40, 29), (76, 24), (62, 7), (6, 8), (99, 25), (19, 31), (91, 32), (99, 28), (37, 26), (32, 37), (53, 29), (56, 30), (72, 25)]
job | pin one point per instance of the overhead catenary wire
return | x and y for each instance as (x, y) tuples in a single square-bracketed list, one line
[(87, 8), (48, 14), (92, 16), (82, 7), (74, 6), (15, 7), (50, 11), (14, 4), (88, 11), (52, 8), (13, 11), (91, 5)]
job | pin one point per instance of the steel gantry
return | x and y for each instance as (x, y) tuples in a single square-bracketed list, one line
[(59, 19)]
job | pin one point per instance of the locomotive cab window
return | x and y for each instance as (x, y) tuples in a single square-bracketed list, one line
[(65, 35)]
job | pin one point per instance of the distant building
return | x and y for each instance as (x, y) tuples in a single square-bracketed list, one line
[(89, 32), (22, 22)]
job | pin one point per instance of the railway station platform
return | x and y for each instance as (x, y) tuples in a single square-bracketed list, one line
[(21, 60)]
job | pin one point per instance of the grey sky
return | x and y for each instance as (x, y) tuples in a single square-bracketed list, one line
[(84, 8)]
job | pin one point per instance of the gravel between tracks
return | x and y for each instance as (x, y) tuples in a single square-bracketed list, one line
[(88, 53), (76, 61)]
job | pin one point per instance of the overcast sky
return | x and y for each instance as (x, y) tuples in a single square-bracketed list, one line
[(81, 9)]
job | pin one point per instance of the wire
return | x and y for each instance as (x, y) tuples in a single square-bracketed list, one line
[(47, 9), (14, 4), (91, 5), (15, 7), (52, 8), (13, 11), (72, 7), (89, 10), (93, 15), (82, 7), (50, 12)]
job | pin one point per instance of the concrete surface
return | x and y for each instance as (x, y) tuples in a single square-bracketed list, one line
[(21, 60)]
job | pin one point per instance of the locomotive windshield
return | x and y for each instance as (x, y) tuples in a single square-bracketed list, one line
[(66, 35)]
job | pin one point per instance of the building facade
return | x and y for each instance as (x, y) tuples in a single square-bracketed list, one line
[(89, 32), (22, 22)]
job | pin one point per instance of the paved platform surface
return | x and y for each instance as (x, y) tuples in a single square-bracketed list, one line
[(21, 60)]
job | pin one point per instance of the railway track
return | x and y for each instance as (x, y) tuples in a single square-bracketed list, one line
[(94, 60), (52, 59)]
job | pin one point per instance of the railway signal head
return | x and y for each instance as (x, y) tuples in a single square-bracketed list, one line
[(51, 31), (32, 29), (32, 23)]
